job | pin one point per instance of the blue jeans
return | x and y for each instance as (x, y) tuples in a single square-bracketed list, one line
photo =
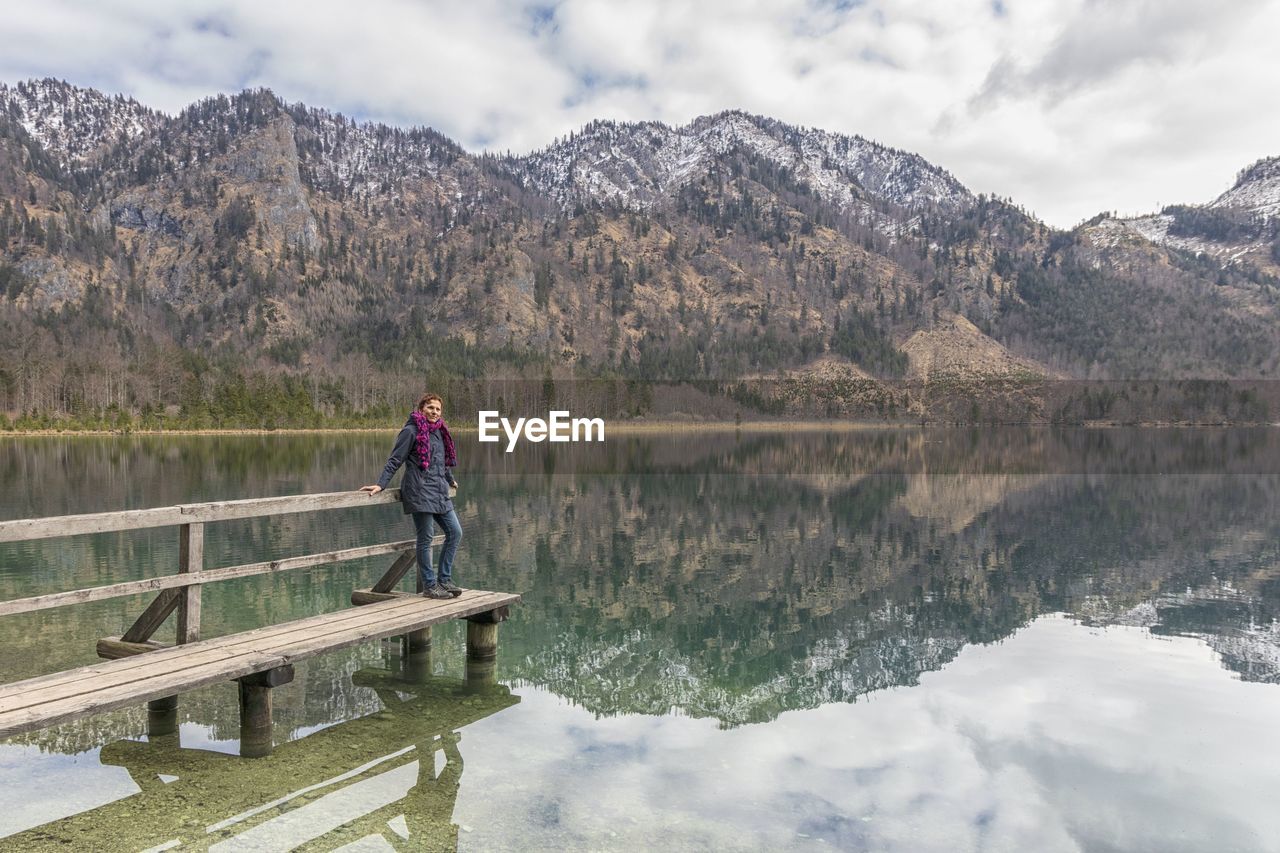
[(448, 522)]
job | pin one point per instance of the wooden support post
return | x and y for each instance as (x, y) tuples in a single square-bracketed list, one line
[(391, 579), (256, 727), (388, 581), (418, 642), (162, 717), (386, 586), (481, 675), (186, 600), (255, 721), (190, 560), (482, 647), (162, 713), (416, 662), (153, 617), (482, 641)]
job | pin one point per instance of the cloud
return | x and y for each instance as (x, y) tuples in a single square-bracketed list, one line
[(1061, 738), (1067, 106), (1104, 39)]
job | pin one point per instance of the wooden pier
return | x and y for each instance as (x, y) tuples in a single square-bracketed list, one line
[(137, 669)]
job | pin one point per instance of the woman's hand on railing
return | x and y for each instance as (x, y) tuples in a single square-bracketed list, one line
[(372, 490)]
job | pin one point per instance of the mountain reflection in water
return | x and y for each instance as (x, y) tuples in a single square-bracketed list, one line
[(759, 583)]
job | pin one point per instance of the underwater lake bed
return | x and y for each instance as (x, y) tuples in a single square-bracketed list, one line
[(898, 639)]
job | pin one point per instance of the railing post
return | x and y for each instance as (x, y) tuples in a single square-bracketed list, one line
[(164, 711), (190, 560)]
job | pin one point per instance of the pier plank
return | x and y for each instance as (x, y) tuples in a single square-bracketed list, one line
[(44, 701), (196, 653), (106, 694)]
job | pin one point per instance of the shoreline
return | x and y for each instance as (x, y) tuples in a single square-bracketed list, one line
[(657, 426)]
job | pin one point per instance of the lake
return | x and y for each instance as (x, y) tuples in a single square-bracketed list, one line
[(899, 639)]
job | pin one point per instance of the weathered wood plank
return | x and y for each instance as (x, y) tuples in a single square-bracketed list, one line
[(173, 582), (22, 529), (254, 507), (110, 691), (388, 581), (106, 522), (399, 617), (112, 648), (95, 676), (118, 696), (193, 654), (361, 597), (143, 666), (190, 561), (153, 617)]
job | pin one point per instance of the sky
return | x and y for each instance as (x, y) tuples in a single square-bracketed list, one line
[(1068, 107)]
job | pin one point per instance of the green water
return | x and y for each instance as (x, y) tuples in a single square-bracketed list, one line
[(885, 640)]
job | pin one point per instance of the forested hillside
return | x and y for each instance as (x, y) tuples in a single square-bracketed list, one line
[(250, 262)]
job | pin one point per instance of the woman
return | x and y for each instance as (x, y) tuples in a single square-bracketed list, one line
[(427, 447)]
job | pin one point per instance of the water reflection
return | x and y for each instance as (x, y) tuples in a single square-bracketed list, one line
[(734, 580), (392, 775), (1059, 738), (728, 575)]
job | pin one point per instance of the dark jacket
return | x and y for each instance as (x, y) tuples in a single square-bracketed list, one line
[(420, 491)]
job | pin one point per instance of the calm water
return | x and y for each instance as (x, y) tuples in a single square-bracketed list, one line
[(898, 640)]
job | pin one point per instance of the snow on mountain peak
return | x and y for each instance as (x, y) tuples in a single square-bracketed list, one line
[(635, 164), (74, 123), (1257, 189)]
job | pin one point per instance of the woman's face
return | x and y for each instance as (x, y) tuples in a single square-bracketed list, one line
[(432, 410)]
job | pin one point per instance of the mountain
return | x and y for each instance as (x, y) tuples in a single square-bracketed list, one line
[(73, 124), (639, 165), (1256, 190), (253, 261), (1241, 226)]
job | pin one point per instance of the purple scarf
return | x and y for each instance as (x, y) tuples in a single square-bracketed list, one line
[(425, 428)]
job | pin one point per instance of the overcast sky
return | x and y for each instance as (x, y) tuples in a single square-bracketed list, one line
[(1070, 107)]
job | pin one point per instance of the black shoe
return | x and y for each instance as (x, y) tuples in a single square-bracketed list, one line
[(451, 588), (435, 591)]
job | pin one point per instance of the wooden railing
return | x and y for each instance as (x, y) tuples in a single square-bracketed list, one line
[(260, 659), (181, 592)]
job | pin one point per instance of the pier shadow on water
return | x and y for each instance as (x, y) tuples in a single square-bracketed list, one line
[(389, 779)]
